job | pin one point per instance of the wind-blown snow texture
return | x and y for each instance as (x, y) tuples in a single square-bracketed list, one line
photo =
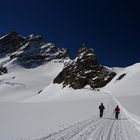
[(32, 107)]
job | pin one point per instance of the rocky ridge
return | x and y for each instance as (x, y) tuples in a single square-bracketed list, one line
[(84, 70), (30, 51)]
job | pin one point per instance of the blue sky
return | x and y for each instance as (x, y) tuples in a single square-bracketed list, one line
[(112, 28)]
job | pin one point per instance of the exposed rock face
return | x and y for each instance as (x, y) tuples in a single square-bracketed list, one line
[(121, 76), (29, 51), (85, 70), (10, 43), (37, 52), (3, 70)]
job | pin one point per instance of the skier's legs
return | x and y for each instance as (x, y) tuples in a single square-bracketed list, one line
[(116, 115), (101, 113)]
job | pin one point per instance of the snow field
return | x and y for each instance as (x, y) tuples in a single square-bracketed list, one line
[(58, 113)]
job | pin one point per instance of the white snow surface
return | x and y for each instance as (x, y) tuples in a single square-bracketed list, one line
[(58, 113), (22, 83)]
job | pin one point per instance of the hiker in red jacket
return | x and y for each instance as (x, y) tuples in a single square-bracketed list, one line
[(117, 111)]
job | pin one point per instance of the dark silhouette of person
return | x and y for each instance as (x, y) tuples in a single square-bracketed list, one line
[(117, 111), (101, 108)]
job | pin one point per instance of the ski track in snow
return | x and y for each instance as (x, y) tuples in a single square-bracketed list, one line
[(102, 129), (127, 127)]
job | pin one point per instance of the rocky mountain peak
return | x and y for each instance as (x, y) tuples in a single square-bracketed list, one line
[(37, 38), (86, 58), (12, 34), (30, 51), (84, 70), (85, 49), (85, 52), (10, 43)]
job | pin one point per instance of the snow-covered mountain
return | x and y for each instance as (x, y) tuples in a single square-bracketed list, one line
[(33, 106), (30, 51), (27, 65)]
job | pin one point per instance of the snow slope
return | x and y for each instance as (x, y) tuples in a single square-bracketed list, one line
[(58, 113), (20, 83), (129, 85)]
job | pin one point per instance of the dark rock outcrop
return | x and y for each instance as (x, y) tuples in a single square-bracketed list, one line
[(121, 76), (37, 52), (10, 43), (3, 70), (84, 70)]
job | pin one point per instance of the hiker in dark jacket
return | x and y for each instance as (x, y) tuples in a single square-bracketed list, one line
[(117, 111), (101, 108)]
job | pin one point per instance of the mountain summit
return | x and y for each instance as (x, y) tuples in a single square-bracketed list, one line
[(30, 51), (85, 70)]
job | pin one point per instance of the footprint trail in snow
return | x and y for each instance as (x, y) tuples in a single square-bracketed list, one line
[(127, 127)]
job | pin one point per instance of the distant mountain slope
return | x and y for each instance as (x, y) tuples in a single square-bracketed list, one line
[(126, 82), (27, 65), (127, 86), (20, 83)]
